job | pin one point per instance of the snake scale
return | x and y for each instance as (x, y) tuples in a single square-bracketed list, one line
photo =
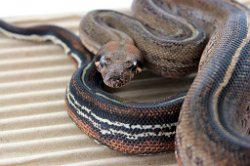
[(172, 38)]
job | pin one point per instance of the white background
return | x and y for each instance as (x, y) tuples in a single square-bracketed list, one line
[(12, 8)]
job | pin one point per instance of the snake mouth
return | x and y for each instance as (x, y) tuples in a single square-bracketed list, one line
[(118, 81), (113, 80), (117, 75)]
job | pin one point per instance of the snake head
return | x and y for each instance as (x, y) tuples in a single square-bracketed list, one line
[(118, 63)]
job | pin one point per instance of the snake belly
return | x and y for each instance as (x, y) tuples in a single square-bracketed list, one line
[(213, 128)]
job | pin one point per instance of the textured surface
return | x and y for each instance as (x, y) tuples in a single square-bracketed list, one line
[(35, 128)]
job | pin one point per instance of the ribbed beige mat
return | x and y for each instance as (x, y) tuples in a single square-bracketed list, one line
[(34, 126)]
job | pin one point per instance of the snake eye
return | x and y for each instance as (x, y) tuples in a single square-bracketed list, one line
[(99, 62), (104, 61), (131, 65)]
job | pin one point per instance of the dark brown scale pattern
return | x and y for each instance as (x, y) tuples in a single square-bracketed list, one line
[(122, 113)]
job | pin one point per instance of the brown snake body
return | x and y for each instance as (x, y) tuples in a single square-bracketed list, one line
[(214, 123), (168, 36)]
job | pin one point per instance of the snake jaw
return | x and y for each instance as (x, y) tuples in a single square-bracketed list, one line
[(114, 83), (115, 79), (117, 76)]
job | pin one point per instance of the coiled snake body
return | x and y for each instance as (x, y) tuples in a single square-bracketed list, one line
[(214, 124)]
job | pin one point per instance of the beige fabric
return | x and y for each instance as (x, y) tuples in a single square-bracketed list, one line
[(34, 126)]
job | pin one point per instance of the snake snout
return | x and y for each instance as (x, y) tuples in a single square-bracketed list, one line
[(114, 82), (117, 80)]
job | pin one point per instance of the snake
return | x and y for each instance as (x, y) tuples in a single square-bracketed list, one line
[(208, 125)]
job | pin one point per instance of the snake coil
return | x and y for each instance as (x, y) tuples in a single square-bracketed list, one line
[(214, 123)]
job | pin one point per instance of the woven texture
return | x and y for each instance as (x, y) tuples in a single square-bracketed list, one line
[(34, 126)]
